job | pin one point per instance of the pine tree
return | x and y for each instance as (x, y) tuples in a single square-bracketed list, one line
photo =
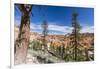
[(75, 36), (45, 33)]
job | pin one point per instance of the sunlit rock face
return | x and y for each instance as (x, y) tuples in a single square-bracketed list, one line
[(87, 39)]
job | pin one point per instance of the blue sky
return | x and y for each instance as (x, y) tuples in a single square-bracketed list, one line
[(59, 18)]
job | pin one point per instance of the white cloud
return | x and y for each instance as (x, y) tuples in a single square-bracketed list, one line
[(57, 29), (63, 29), (89, 29), (33, 26), (60, 28)]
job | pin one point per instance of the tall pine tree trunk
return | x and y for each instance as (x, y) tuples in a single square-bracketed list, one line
[(22, 41)]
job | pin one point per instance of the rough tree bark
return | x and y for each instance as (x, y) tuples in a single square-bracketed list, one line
[(22, 42)]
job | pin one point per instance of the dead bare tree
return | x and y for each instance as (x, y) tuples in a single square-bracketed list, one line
[(22, 42)]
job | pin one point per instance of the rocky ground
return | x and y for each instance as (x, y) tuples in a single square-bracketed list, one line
[(41, 57)]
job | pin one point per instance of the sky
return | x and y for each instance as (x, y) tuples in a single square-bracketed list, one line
[(59, 18)]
